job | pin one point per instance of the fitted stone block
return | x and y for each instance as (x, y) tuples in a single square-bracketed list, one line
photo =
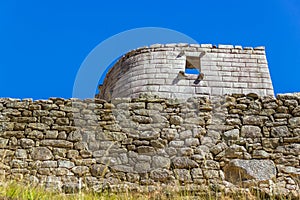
[(173, 70)]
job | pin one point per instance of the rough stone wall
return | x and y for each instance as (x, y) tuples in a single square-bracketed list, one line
[(227, 69), (225, 142)]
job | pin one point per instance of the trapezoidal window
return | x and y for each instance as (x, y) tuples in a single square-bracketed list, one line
[(192, 65)]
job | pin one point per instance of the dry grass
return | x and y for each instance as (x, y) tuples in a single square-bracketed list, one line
[(17, 191)]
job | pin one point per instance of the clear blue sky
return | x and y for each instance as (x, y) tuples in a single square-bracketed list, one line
[(43, 43)]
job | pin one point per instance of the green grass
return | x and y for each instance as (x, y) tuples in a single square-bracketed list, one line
[(17, 191)]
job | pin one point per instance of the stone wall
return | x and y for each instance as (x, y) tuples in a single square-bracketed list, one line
[(155, 70), (225, 142)]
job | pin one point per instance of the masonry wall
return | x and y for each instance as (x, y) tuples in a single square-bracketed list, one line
[(226, 142), (227, 69)]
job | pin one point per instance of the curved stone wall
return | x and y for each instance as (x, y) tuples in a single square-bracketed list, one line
[(225, 142), (156, 70)]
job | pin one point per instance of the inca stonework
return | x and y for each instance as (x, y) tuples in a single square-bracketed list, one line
[(226, 143), (162, 127), (163, 70)]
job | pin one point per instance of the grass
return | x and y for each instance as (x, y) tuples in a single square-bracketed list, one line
[(17, 191)]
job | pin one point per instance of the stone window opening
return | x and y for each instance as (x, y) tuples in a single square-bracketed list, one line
[(193, 68)]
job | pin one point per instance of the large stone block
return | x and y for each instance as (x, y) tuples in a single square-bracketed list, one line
[(161, 175), (240, 171), (294, 122), (251, 131), (57, 143), (280, 131), (41, 153), (184, 163)]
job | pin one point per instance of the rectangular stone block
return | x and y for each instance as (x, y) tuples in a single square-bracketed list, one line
[(225, 55), (211, 73), (162, 94), (206, 45), (217, 91), (195, 54), (142, 62), (242, 56), (158, 61), (249, 79), (161, 76), (162, 66), (270, 92), (144, 76), (208, 63), (168, 88), (171, 45), (232, 91), (252, 65), (248, 69), (241, 74), (235, 51), (224, 64), (238, 64), (212, 78), (155, 81), (121, 88), (266, 80), (264, 70), (150, 88), (210, 56), (249, 60), (158, 55), (181, 95), (178, 67), (138, 72), (230, 69), (260, 85), (259, 57), (261, 48), (195, 45), (233, 60), (167, 70), (221, 50), (240, 85), (262, 61), (205, 68), (230, 79), (261, 92), (187, 89), (138, 83), (224, 73), (183, 82), (219, 84), (256, 74), (259, 52), (222, 46), (203, 90)]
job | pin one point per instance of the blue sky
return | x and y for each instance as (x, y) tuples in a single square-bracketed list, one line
[(43, 43)]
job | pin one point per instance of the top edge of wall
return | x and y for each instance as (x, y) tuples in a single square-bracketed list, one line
[(208, 46), (50, 100), (221, 48)]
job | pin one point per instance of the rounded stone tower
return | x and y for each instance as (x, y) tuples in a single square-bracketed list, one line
[(187, 70)]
